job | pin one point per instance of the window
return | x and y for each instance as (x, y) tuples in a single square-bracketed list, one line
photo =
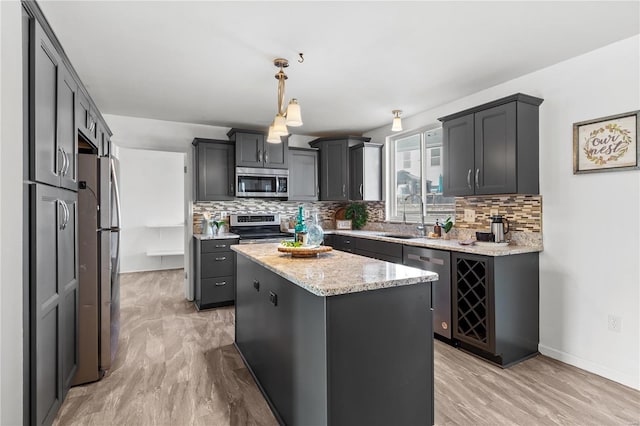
[(415, 159)]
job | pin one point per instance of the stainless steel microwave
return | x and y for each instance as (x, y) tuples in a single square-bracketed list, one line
[(256, 182)]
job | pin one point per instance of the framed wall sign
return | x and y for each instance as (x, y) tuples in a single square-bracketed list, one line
[(343, 224), (607, 144)]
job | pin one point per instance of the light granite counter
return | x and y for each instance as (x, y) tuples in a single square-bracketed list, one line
[(335, 272), (223, 236), (451, 245)]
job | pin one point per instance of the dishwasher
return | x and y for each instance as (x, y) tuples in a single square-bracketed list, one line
[(438, 261)]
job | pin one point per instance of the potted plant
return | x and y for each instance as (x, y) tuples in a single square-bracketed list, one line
[(358, 214), (446, 227)]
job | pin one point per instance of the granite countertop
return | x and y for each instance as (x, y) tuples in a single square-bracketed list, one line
[(335, 272), (452, 245), (223, 236)]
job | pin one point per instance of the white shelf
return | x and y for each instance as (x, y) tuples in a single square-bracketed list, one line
[(176, 252), (165, 225)]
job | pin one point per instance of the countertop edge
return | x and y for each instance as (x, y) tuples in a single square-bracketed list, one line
[(427, 276)]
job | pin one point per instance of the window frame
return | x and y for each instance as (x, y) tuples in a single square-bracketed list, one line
[(391, 184)]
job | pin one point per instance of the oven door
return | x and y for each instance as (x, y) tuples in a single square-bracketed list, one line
[(264, 240)]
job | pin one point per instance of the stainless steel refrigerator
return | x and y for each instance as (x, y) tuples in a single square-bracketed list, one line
[(99, 261)]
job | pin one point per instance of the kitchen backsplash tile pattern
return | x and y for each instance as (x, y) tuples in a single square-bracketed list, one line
[(524, 212), (325, 209)]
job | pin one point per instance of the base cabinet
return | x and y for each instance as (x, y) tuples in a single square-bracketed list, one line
[(302, 348), (496, 305), (54, 299), (214, 266)]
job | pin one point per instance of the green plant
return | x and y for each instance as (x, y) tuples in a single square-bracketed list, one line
[(358, 214), (447, 225)]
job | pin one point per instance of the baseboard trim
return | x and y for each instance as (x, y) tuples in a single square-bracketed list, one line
[(592, 367)]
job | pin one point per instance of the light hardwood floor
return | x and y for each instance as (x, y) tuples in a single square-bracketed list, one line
[(177, 366)]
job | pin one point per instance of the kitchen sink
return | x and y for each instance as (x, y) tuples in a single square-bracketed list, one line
[(401, 236)]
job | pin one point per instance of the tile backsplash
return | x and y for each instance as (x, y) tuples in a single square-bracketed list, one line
[(325, 209), (524, 212)]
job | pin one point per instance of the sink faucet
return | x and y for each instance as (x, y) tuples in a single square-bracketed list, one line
[(422, 228)]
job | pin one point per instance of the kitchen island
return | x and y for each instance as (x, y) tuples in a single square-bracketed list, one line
[(339, 339)]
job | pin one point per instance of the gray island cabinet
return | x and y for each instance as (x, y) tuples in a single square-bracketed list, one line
[(340, 339)]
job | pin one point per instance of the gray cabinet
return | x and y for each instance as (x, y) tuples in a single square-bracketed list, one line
[(301, 350), (382, 250), (86, 119), (54, 302), (438, 261), (53, 99), (365, 172), (214, 172), (493, 148), (303, 174), (252, 150), (103, 141), (350, 168), (214, 265), (496, 305)]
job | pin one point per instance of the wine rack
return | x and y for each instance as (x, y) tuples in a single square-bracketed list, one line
[(473, 302)]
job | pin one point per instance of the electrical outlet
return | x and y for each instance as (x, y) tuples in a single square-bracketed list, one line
[(493, 212), (615, 323), (469, 215)]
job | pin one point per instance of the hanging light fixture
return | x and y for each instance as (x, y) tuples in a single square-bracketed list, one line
[(397, 121), (292, 116)]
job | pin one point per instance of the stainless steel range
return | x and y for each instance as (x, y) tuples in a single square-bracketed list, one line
[(257, 228)]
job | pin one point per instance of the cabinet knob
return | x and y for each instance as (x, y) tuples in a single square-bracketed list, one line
[(273, 298), (256, 285), (219, 259)]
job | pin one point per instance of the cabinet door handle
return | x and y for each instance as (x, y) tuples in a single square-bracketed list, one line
[(273, 298), (469, 179), (218, 259), (477, 181), (266, 156), (220, 284), (220, 246), (231, 189), (426, 259), (256, 285), (67, 162), (59, 204), (344, 190), (361, 191), (66, 214), (259, 156), (347, 241), (61, 167)]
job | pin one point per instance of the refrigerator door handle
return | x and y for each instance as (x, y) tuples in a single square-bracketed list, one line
[(116, 192)]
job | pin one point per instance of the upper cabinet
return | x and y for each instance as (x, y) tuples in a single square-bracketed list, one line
[(303, 174), (214, 171), (252, 150), (350, 168), (493, 148), (365, 172), (53, 98)]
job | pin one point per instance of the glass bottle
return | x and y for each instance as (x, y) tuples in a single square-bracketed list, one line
[(316, 234), (301, 228)]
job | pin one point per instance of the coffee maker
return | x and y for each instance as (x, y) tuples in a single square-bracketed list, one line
[(498, 228)]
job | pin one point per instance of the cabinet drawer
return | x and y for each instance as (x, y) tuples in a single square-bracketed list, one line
[(211, 246), (384, 248), (217, 290), (217, 264)]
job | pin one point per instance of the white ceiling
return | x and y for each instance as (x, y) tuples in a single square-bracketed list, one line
[(211, 62)]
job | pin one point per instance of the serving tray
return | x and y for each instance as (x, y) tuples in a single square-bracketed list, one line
[(305, 251)]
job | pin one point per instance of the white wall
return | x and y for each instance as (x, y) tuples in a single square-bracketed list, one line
[(591, 223), (152, 195), (11, 214), (170, 136)]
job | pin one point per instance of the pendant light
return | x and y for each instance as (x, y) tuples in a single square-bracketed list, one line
[(397, 121), (292, 116)]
